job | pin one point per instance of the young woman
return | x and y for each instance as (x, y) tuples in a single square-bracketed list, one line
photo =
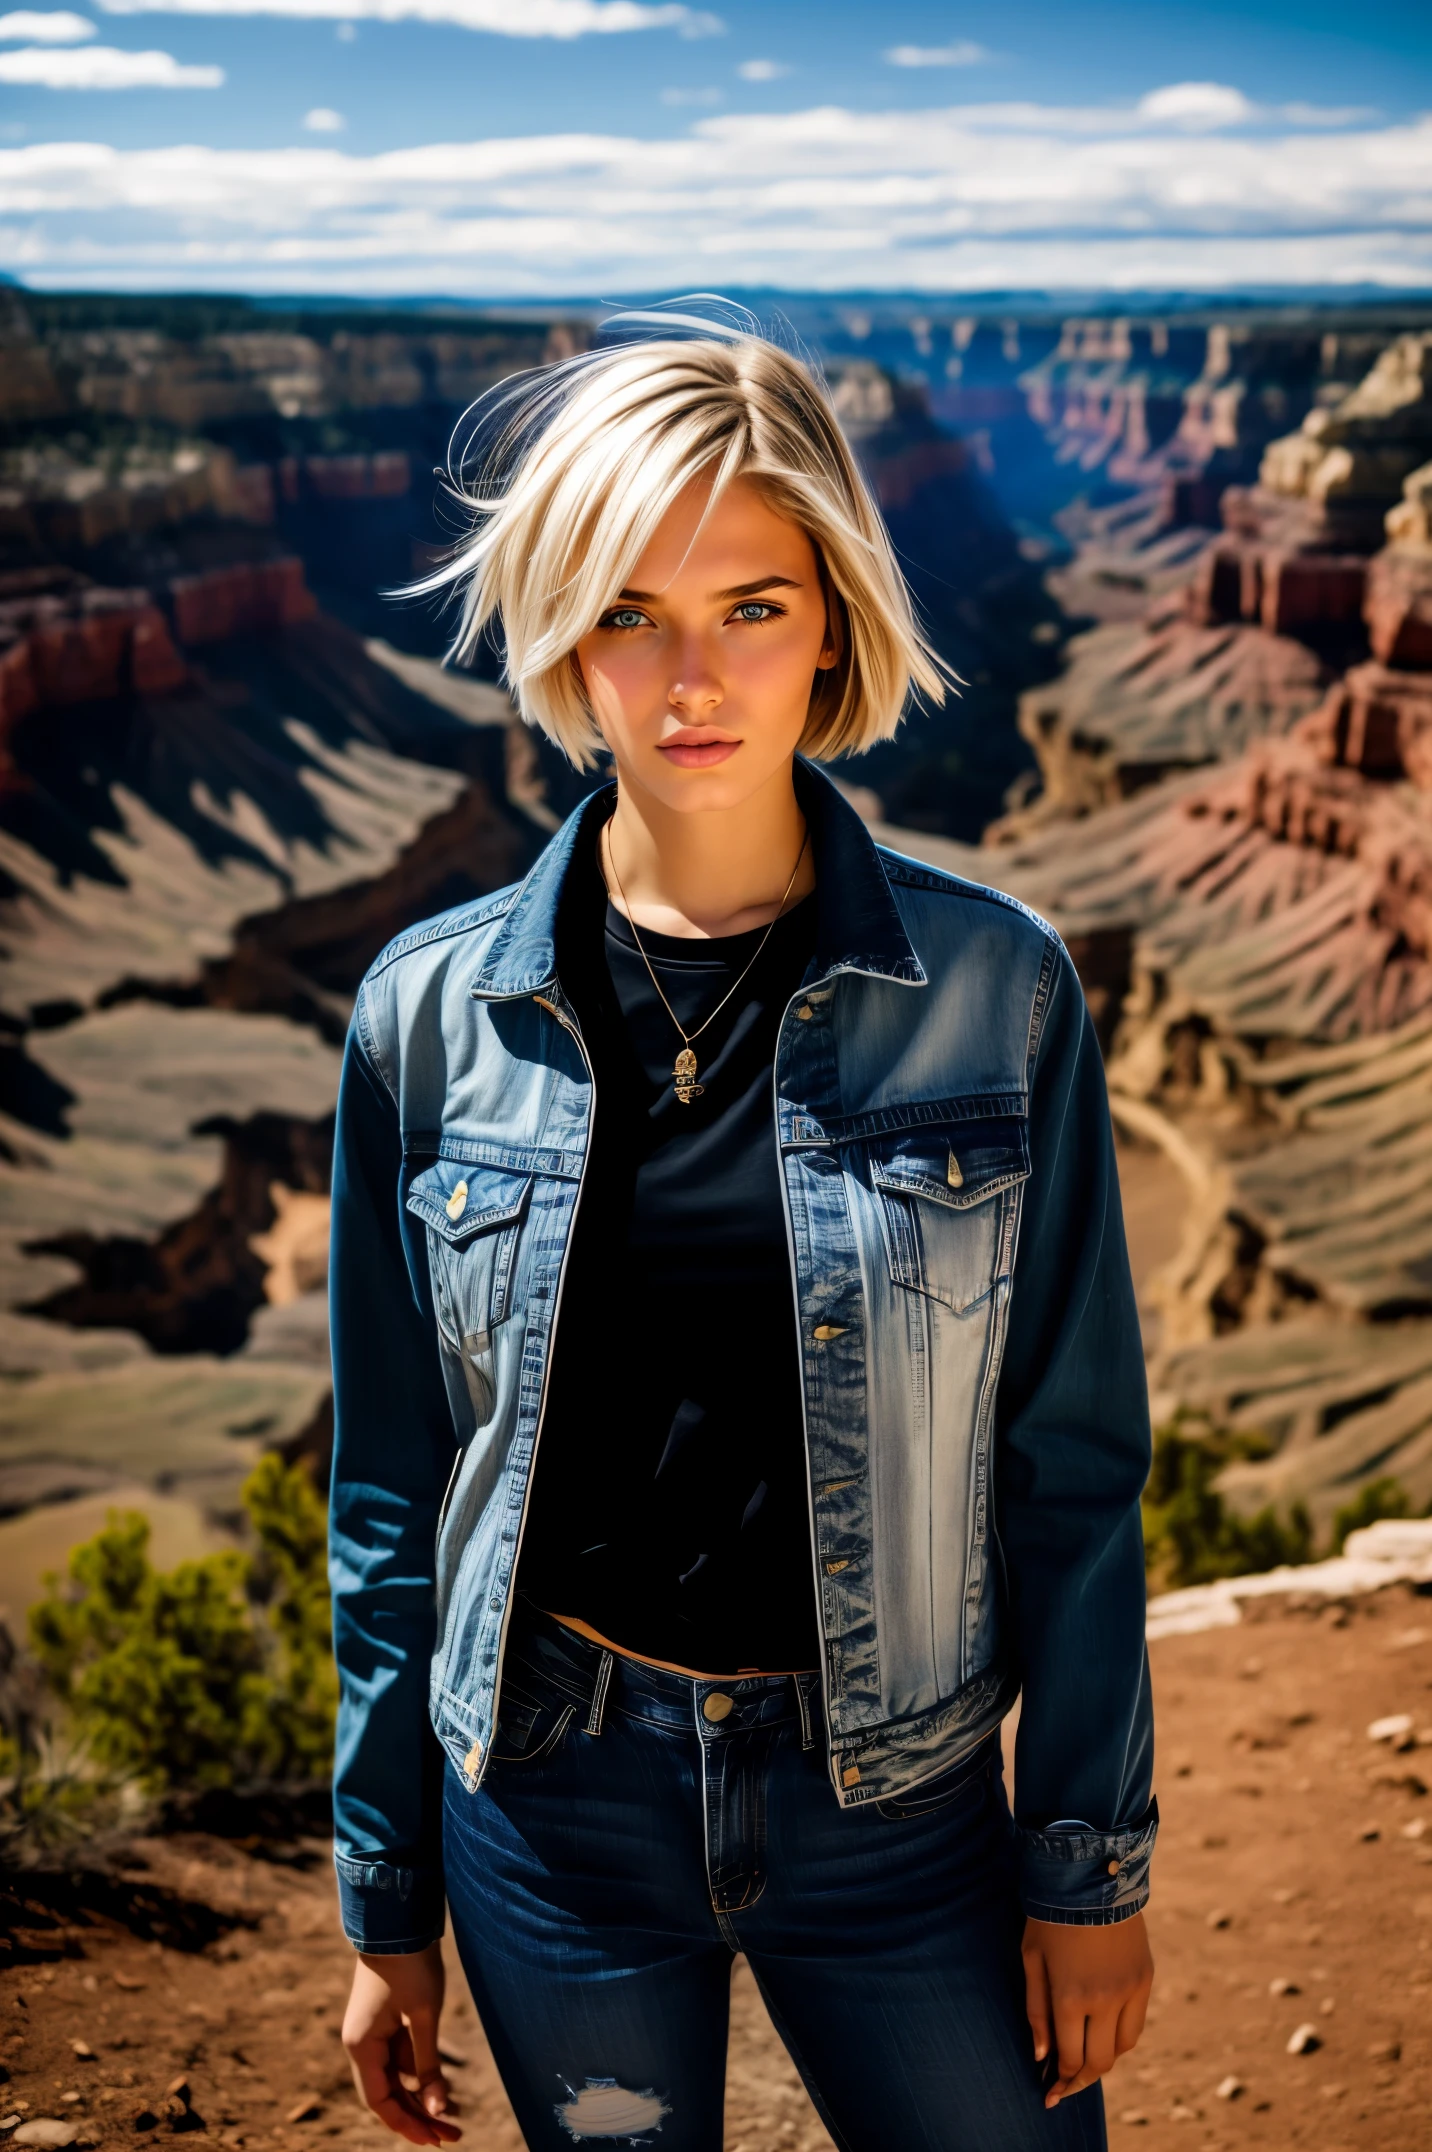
[(739, 1392)]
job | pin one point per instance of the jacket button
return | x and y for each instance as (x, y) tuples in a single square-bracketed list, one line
[(850, 1776), (717, 1707), (829, 1330), (1114, 1867), (804, 1013), (472, 1761), (457, 1202)]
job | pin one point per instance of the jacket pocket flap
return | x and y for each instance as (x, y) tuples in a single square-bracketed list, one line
[(958, 1166), (458, 1201)]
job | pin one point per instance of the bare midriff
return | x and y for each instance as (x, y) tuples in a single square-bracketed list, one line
[(693, 1673)]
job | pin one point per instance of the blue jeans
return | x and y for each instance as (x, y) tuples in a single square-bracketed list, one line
[(636, 1829)]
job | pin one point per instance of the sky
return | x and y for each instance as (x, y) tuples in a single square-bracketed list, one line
[(546, 149)]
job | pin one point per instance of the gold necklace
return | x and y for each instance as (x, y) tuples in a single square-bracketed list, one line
[(683, 1074)]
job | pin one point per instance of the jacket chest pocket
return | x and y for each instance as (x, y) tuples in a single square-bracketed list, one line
[(946, 1207), (473, 1216)]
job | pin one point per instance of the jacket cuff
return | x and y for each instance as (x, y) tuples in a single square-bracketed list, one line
[(389, 1911), (1087, 1879)]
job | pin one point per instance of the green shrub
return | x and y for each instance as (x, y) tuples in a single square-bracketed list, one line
[(1379, 1498), (216, 1671), (1190, 1534)]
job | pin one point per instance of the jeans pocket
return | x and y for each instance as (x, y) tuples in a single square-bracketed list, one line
[(528, 1732), (959, 1787)]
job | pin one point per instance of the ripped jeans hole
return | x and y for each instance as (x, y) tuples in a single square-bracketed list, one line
[(603, 2108)]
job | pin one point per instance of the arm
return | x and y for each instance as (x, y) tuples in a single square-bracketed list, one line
[(393, 1448), (1072, 1459)]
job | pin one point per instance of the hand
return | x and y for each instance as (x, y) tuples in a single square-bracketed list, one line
[(1086, 1992), (390, 2030)]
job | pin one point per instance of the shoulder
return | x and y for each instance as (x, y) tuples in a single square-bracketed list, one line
[(940, 899), (465, 928), (423, 976)]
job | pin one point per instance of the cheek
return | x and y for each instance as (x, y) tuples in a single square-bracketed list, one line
[(622, 682), (778, 672)]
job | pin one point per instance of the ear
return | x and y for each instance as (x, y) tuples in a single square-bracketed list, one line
[(833, 648)]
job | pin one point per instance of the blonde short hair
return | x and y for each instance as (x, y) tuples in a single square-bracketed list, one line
[(590, 455)]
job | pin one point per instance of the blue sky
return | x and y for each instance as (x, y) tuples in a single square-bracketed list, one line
[(554, 147)]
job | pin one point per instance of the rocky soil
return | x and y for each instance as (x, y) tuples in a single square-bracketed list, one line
[(1293, 1889)]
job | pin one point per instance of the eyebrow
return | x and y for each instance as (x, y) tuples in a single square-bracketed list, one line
[(738, 590)]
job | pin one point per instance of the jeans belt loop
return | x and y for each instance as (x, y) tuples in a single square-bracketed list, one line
[(803, 1707), (599, 1692)]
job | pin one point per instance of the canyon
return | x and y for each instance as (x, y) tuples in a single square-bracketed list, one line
[(1184, 569)]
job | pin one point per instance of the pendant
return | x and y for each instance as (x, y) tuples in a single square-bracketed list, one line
[(683, 1076)]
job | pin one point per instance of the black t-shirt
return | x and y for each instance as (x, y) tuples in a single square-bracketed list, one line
[(669, 1506)]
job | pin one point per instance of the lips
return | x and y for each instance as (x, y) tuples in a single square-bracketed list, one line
[(688, 754)]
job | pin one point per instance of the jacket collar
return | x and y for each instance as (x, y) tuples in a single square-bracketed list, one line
[(858, 926)]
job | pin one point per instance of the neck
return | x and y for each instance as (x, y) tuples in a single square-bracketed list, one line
[(706, 874)]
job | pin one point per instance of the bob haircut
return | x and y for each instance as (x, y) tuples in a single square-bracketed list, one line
[(590, 454)]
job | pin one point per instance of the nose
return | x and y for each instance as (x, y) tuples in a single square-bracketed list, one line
[(696, 691)]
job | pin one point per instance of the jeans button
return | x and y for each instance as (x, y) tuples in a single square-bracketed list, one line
[(717, 1707)]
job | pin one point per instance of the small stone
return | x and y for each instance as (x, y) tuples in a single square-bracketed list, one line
[(1385, 2051), (1333, 2092), (177, 2089), (130, 1985), (308, 2109), (1134, 2118), (1415, 1828), (1179, 2113), (1395, 1727), (1369, 1831), (47, 2130), (9, 2122), (1327, 2006), (83, 2049), (1230, 2088), (1304, 2041), (1219, 1919)]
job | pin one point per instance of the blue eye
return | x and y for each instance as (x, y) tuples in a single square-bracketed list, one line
[(624, 616), (755, 610)]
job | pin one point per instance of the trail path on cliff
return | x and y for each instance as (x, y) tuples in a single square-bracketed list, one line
[(1295, 1851)]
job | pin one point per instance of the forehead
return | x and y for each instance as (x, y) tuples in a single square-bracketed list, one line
[(698, 545)]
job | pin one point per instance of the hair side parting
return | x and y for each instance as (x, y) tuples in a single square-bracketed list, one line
[(586, 456)]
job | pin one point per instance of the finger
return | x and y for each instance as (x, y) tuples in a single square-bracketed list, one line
[(371, 2073), (1037, 2007), (406, 2120), (1069, 2035), (431, 2085), (1098, 2051), (1131, 2021)]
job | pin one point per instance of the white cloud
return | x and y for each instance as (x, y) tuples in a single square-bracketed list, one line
[(32, 28), (707, 96), (324, 120), (1300, 115), (503, 18), (963, 53), (1198, 104), (762, 70), (969, 197), (103, 67)]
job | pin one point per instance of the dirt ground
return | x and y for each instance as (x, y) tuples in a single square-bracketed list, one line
[(1292, 1853)]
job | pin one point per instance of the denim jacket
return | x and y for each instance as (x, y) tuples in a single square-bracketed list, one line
[(976, 1419)]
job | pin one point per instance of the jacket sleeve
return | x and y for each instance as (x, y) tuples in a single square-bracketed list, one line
[(1072, 1456), (394, 1444)]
